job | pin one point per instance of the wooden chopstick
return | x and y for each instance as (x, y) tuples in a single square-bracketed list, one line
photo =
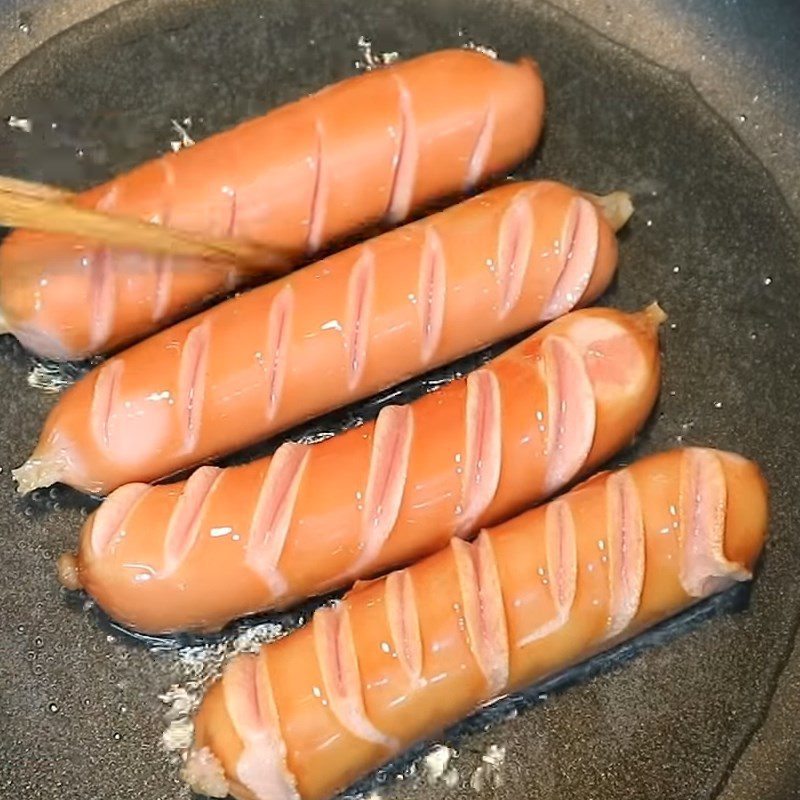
[(31, 189), (45, 208)]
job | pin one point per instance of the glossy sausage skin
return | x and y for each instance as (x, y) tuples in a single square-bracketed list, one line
[(402, 657), (328, 335), (230, 542), (370, 148)]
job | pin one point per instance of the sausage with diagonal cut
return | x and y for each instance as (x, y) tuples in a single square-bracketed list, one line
[(402, 657)]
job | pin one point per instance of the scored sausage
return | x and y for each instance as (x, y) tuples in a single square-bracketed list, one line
[(229, 542), (402, 657), (328, 335), (369, 148)]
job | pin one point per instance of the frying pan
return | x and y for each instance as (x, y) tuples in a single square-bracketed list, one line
[(690, 104)]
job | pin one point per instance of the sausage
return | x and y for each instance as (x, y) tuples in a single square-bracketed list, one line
[(231, 542), (325, 336), (373, 147), (400, 658)]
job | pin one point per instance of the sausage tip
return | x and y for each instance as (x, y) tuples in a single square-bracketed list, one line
[(204, 774), (69, 572), (35, 473), (616, 207), (653, 315)]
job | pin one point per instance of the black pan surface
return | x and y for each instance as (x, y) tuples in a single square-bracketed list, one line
[(712, 240)]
